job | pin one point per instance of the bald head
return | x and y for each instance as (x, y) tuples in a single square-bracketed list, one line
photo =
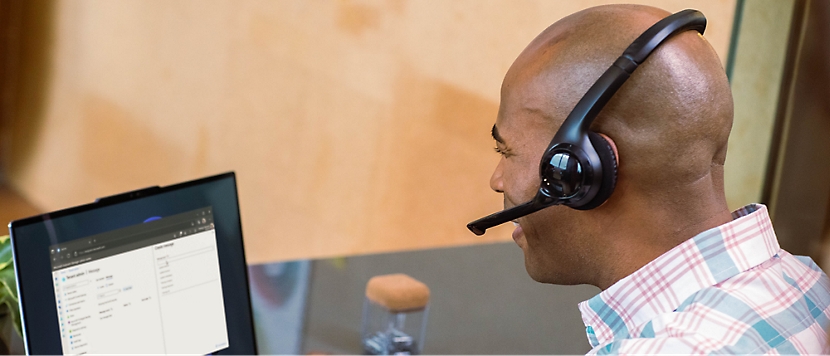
[(671, 119), (670, 123)]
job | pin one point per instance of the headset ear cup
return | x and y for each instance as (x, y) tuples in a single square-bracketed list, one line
[(609, 170)]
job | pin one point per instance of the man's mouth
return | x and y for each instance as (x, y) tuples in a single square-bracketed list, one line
[(518, 233)]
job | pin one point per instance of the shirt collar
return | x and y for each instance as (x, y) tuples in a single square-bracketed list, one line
[(711, 257)]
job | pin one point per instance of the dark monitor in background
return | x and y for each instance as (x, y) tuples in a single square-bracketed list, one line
[(156, 271)]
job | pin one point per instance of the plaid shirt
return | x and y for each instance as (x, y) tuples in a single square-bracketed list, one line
[(730, 289)]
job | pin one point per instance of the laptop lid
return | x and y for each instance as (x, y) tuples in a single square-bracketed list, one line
[(156, 271)]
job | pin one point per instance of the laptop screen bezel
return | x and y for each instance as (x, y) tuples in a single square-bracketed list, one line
[(233, 268)]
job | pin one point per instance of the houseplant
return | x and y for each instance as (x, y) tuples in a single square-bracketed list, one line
[(10, 330)]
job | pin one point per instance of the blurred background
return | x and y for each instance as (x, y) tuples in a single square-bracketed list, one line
[(358, 127), (362, 127)]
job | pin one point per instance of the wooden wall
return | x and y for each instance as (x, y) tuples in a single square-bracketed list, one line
[(353, 126)]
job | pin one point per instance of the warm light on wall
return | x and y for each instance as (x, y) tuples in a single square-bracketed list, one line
[(353, 126)]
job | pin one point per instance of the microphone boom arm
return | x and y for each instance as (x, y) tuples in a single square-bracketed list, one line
[(539, 202)]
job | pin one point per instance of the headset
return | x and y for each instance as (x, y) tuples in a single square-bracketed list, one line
[(579, 167)]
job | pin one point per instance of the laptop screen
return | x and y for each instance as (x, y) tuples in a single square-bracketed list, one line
[(158, 279), (162, 277)]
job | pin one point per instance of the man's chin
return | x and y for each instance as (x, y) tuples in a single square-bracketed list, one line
[(533, 271), (541, 278), (548, 275)]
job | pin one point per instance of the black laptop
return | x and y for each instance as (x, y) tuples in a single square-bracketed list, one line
[(155, 271)]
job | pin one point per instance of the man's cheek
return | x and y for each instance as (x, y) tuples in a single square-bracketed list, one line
[(520, 182)]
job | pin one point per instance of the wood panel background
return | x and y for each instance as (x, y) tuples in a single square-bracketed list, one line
[(353, 126)]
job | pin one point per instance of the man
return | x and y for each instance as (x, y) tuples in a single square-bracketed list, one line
[(679, 273)]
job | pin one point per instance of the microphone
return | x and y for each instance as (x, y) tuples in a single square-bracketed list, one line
[(539, 202)]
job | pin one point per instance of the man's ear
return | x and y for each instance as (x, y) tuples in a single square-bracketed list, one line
[(613, 147)]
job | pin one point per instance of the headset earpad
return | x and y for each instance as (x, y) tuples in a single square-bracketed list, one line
[(609, 170)]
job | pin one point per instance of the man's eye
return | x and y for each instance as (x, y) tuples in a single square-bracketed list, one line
[(501, 151)]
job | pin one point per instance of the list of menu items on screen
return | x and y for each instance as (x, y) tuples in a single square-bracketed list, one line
[(152, 288)]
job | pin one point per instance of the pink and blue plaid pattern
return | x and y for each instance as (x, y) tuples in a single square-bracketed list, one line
[(730, 289)]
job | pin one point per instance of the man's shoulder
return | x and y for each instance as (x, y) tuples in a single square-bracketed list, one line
[(778, 305), (730, 289), (773, 286)]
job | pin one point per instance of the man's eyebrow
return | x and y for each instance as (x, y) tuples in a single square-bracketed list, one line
[(496, 136)]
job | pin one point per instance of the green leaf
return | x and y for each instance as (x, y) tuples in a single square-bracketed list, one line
[(5, 251), (7, 282), (8, 285), (5, 255)]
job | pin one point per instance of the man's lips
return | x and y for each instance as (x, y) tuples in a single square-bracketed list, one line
[(518, 232)]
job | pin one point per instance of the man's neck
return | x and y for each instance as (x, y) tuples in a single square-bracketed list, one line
[(635, 240)]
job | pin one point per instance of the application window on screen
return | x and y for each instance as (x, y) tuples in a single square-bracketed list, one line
[(151, 288)]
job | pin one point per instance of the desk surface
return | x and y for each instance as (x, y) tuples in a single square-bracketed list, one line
[(482, 302)]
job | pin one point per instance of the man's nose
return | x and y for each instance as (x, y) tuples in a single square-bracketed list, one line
[(496, 182)]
